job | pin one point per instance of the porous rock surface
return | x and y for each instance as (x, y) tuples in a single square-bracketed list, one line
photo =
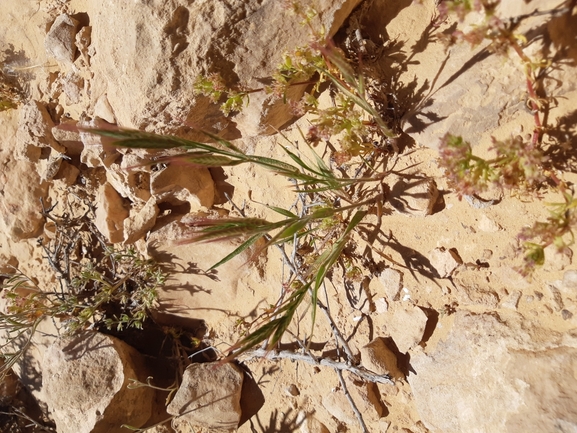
[(85, 383), (20, 192), (166, 44), (526, 386)]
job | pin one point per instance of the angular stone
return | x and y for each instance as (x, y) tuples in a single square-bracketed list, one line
[(378, 358), (512, 300), (209, 396), (8, 263), (85, 383), (414, 197), (445, 261), (139, 223), (110, 213), (35, 131), (392, 281), (67, 173), (177, 186), (309, 424), (407, 326), (60, 40), (131, 184), (569, 284)]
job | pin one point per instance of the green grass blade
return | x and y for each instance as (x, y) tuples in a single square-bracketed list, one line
[(282, 211), (237, 251), (329, 258)]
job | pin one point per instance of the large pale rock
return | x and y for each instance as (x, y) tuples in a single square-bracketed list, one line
[(85, 382), (463, 87), (407, 326), (180, 40), (60, 40), (209, 396), (489, 376), (20, 193), (110, 213), (177, 185)]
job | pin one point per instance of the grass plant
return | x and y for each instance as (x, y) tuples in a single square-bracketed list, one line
[(326, 217)]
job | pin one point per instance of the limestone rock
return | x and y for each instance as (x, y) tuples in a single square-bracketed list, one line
[(491, 376), (110, 214), (67, 173), (199, 37), (139, 223), (131, 184), (177, 186), (209, 396), (309, 424), (407, 326), (103, 110), (84, 380), (569, 283), (60, 40), (445, 261), (414, 197), (392, 283), (35, 131), (557, 259), (20, 193), (378, 358), (72, 86), (512, 300)]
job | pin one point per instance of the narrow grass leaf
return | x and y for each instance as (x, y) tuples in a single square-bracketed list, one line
[(237, 251)]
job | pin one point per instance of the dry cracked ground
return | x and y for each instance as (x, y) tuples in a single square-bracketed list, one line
[(467, 343)]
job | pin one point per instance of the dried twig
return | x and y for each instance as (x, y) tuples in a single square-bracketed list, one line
[(352, 402), (338, 366)]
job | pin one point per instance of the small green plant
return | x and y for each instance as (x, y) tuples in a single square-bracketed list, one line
[(519, 164), (516, 166), (556, 231), (99, 288)]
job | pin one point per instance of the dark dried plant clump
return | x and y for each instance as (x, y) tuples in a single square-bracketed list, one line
[(96, 287), (10, 92)]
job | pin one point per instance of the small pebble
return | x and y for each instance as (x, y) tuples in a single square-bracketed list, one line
[(293, 390)]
